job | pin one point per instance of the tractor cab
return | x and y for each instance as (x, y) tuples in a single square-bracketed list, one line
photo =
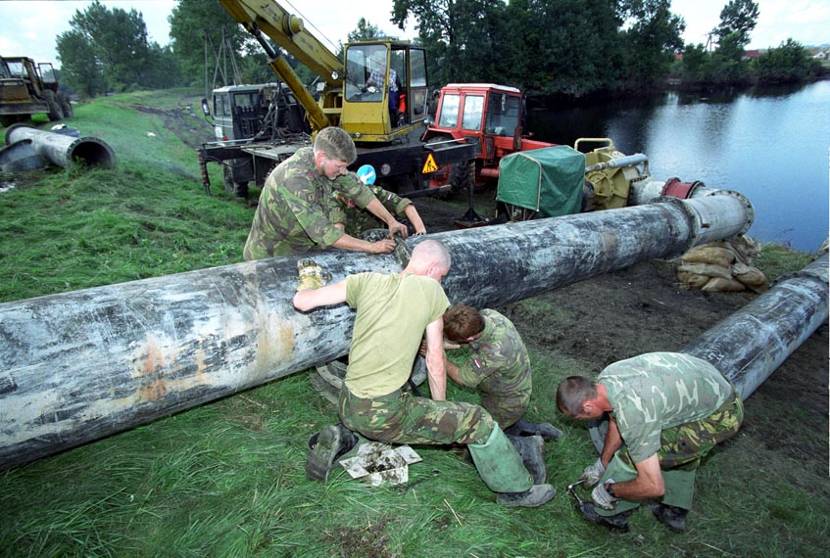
[(385, 91)]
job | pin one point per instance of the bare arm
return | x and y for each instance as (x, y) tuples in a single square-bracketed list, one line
[(412, 214), (347, 242), (437, 374), (648, 484), (310, 299), (613, 441), (376, 208)]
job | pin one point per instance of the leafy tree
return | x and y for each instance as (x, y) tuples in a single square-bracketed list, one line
[(789, 62), (108, 48), (364, 31), (651, 41), (739, 17), (81, 69), (194, 21)]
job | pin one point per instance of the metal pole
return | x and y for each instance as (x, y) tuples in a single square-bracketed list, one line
[(60, 149), (750, 344), (81, 365)]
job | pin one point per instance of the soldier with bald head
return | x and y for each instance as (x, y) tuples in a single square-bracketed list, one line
[(393, 312)]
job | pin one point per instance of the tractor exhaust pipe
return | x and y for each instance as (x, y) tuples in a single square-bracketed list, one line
[(78, 366), (60, 149)]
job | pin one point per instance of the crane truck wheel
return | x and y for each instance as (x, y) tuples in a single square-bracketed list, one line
[(55, 110), (237, 188)]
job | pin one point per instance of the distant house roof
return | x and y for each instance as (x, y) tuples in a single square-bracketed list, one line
[(749, 54)]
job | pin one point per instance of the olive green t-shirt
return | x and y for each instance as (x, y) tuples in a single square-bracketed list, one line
[(393, 312)]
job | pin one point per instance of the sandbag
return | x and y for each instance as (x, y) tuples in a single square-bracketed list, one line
[(709, 254), (692, 280), (706, 269), (749, 275), (719, 284)]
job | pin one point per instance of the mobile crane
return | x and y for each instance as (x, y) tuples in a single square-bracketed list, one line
[(377, 93)]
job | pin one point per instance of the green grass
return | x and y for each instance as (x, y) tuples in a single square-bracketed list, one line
[(227, 478)]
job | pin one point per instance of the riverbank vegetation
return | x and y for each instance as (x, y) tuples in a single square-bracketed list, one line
[(227, 478), (557, 47)]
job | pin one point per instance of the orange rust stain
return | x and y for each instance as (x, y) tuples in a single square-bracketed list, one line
[(153, 391), (154, 359), (286, 334)]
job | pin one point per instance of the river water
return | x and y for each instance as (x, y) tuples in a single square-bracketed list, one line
[(773, 145)]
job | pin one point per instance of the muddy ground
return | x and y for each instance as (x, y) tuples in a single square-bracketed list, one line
[(640, 309)]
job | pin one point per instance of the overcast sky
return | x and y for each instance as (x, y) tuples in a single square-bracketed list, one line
[(30, 28)]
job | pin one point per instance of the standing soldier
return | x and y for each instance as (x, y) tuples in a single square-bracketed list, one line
[(666, 411), (393, 313), (297, 210)]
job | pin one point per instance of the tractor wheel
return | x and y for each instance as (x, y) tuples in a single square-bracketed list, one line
[(55, 110), (237, 188), (65, 105), (462, 177)]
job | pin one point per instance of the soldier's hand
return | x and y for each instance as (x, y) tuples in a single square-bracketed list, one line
[(396, 227), (309, 275), (384, 246), (602, 497), (593, 473)]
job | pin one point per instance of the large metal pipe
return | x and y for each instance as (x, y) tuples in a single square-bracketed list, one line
[(63, 150), (78, 366), (751, 343), (748, 346)]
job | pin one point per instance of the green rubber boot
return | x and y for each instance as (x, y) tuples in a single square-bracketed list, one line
[(502, 470)]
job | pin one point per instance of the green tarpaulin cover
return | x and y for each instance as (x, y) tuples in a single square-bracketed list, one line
[(546, 180)]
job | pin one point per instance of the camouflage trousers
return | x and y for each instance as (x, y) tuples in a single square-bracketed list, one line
[(402, 418), (506, 410), (681, 450)]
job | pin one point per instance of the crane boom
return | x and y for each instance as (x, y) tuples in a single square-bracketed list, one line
[(288, 31)]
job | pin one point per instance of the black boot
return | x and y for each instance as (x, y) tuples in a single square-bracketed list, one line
[(537, 495), (326, 447), (544, 429), (619, 521), (671, 516), (530, 449)]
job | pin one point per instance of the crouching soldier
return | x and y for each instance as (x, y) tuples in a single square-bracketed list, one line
[(357, 221), (394, 311), (666, 411)]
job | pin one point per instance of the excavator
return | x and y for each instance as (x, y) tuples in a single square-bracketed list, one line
[(377, 93)]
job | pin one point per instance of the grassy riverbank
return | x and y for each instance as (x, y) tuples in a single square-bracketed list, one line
[(227, 478)]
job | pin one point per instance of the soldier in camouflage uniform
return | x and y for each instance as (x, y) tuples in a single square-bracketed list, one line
[(498, 367), (358, 221), (393, 312), (666, 411), (297, 209)]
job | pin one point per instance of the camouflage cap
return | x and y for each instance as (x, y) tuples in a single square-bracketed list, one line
[(336, 143)]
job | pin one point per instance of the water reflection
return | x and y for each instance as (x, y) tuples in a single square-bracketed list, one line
[(770, 143)]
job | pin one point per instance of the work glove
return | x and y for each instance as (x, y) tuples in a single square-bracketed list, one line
[(310, 275), (593, 473), (602, 497)]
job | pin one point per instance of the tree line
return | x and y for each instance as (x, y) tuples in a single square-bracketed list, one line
[(570, 47)]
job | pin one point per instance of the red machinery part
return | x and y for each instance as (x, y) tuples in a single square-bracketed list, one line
[(677, 189)]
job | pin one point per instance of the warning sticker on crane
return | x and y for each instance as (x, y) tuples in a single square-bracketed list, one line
[(429, 165)]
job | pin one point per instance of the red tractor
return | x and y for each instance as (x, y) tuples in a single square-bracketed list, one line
[(486, 114)]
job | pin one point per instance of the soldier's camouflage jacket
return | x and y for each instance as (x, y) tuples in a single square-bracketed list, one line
[(358, 220), (653, 392), (297, 208), (499, 369)]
